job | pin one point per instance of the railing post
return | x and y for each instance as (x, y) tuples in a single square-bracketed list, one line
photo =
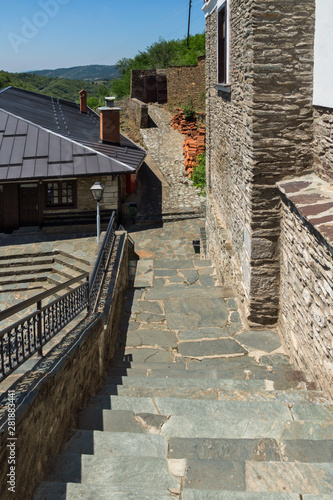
[(88, 301), (39, 328)]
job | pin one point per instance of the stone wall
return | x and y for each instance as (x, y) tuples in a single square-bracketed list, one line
[(50, 396), (258, 133), (323, 142), (110, 196), (187, 83), (306, 295), (139, 113), (184, 83), (137, 90)]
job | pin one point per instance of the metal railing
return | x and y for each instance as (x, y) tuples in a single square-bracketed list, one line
[(21, 340), (98, 275)]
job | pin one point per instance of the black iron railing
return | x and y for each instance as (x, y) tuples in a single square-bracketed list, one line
[(98, 275), (21, 340)]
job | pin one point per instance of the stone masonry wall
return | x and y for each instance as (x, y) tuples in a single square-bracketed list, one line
[(228, 143), (137, 75), (306, 297), (183, 82), (110, 196), (259, 133), (50, 396), (323, 142), (187, 82), (139, 113)]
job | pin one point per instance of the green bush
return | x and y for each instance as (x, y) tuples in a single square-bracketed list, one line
[(198, 176), (189, 111), (161, 54)]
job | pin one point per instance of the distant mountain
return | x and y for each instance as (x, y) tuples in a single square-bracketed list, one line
[(90, 73)]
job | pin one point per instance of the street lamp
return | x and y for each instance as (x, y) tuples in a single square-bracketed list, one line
[(97, 191)]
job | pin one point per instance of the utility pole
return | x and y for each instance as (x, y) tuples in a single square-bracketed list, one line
[(189, 22)]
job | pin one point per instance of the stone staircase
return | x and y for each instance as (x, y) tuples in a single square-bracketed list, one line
[(24, 275), (195, 406)]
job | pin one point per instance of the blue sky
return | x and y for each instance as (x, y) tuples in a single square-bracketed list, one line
[(49, 34)]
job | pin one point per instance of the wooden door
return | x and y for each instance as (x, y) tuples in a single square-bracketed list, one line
[(28, 201)]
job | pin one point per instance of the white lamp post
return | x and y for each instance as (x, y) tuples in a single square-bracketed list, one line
[(97, 193)]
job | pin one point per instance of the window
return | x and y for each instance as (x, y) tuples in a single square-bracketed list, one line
[(222, 45), (60, 193)]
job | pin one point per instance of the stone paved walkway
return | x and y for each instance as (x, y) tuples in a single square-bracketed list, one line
[(166, 161), (196, 406)]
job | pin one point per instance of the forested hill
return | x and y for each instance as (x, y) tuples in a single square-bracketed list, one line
[(90, 73), (161, 54), (57, 87)]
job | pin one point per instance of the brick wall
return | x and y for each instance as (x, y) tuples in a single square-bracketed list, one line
[(305, 318), (257, 134)]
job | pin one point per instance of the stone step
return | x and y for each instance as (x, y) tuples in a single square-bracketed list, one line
[(24, 279), (199, 474), (259, 476), (261, 410), (257, 450), (77, 491), (189, 494), (34, 269), (223, 389), (120, 420), (22, 287), (24, 261), (241, 449), (115, 471), (68, 272), (147, 420), (72, 263), (75, 258), (122, 444), (291, 477), (284, 379), (58, 279)]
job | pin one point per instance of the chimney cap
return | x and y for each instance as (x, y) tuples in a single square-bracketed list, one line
[(83, 91), (109, 101), (108, 108)]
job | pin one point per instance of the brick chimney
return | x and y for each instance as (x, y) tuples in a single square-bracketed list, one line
[(109, 120), (83, 101)]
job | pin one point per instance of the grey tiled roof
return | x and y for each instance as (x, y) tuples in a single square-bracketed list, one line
[(42, 137)]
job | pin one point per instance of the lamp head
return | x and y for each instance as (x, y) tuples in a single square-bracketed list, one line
[(97, 191)]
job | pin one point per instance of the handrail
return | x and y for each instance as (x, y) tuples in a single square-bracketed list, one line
[(24, 338), (100, 255), (41, 296), (97, 276)]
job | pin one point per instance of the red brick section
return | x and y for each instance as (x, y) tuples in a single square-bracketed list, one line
[(83, 101), (194, 143)]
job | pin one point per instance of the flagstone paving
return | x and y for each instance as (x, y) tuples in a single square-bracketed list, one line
[(196, 405)]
